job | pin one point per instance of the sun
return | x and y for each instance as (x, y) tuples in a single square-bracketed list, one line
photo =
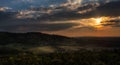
[(98, 21)]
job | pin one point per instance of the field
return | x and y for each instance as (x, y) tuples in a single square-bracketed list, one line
[(81, 57)]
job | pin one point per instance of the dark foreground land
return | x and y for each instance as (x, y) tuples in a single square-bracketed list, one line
[(81, 57), (43, 49)]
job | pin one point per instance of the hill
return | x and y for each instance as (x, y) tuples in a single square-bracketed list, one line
[(32, 38), (36, 42)]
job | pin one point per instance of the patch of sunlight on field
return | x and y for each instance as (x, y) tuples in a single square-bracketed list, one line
[(44, 49), (52, 49), (70, 48)]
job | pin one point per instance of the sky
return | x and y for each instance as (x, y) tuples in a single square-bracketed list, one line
[(72, 18)]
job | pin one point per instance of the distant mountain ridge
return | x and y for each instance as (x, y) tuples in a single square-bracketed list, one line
[(29, 38)]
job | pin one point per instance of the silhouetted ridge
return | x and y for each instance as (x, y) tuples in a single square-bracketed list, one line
[(31, 38), (42, 39)]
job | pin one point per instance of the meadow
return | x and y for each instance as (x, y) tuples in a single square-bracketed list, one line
[(81, 57)]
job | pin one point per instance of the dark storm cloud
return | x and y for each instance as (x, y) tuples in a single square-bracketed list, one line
[(109, 9), (113, 22), (37, 27)]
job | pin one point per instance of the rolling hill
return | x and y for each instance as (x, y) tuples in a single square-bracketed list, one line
[(41, 43)]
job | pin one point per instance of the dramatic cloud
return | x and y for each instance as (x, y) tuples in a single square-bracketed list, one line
[(37, 27), (68, 13), (3, 9), (115, 22), (59, 15)]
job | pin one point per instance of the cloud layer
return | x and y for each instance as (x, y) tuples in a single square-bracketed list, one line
[(58, 15)]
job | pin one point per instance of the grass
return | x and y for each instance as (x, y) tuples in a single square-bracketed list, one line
[(81, 57)]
